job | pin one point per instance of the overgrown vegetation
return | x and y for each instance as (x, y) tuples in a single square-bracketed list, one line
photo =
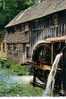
[(7, 68), (20, 90), (10, 8), (13, 67)]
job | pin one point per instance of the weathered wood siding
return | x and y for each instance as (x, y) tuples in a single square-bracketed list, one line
[(29, 33), (17, 39), (50, 26)]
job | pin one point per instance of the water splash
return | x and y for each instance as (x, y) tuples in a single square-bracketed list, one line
[(51, 78)]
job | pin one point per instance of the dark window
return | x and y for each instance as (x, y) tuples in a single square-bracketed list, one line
[(19, 28), (15, 50), (11, 30), (9, 46), (23, 27), (27, 52), (23, 48), (14, 47)]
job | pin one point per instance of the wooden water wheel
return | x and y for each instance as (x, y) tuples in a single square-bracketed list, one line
[(41, 59)]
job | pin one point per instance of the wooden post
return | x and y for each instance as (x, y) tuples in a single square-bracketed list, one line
[(52, 53)]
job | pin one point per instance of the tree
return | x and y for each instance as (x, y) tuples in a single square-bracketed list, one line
[(7, 11), (10, 8), (23, 4)]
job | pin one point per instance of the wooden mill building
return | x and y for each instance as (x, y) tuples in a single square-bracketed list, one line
[(43, 21)]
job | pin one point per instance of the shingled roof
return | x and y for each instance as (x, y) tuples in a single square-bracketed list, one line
[(45, 8)]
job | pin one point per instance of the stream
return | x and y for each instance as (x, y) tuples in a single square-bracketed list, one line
[(11, 80)]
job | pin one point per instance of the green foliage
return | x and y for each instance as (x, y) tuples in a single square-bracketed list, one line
[(20, 90), (15, 89), (28, 90), (24, 4), (13, 67), (7, 11), (19, 70), (10, 8)]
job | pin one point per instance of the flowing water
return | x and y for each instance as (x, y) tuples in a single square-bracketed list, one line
[(11, 80), (51, 78)]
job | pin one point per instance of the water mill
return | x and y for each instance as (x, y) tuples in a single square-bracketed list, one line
[(48, 59)]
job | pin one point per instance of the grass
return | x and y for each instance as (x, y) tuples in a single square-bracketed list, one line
[(20, 90), (14, 68), (25, 90), (8, 67), (19, 70)]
